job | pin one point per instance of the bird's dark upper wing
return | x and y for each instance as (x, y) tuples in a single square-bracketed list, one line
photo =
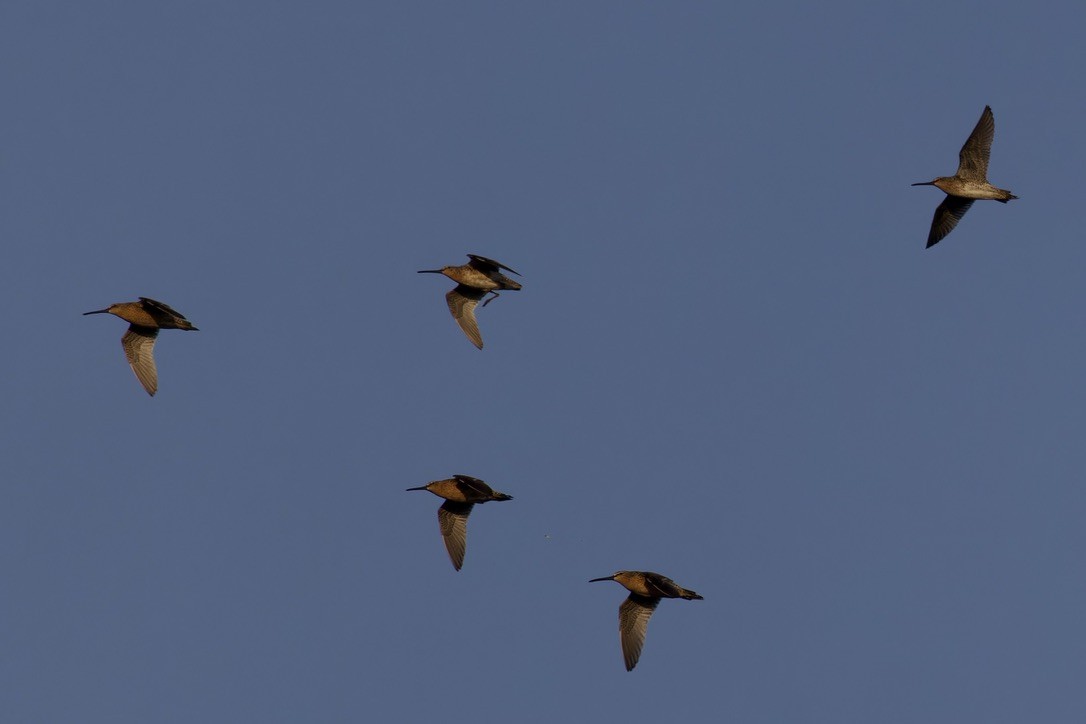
[(163, 313), (973, 158), (474, 485), (661, 586), (488, 265)]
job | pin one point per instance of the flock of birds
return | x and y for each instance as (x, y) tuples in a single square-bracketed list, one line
[(481, 277)]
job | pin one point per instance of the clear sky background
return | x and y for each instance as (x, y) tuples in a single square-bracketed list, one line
[(733, 361)]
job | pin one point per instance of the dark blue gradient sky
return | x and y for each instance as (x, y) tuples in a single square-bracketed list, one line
[(732, 362)]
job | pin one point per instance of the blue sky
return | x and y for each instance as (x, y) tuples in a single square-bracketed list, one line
[(732, 362)]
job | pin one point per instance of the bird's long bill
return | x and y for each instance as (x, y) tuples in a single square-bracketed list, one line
[(419, 488), (429, 271), (923, 183), (605, 578), (97, 311)]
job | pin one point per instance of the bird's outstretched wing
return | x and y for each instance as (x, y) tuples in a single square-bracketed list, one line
[(633, 621), (453, 519), (947, 216), (973, 158), (462, 301), (139, 346)]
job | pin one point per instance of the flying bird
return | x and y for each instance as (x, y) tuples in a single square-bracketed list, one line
[(145, 318), (969, 183), (474, 280), (646, 589), (461, 493)]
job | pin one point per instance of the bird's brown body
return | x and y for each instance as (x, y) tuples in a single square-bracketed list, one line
[(474, 280), (646, 589), (145, 318), (970, 183), (461, 493)]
